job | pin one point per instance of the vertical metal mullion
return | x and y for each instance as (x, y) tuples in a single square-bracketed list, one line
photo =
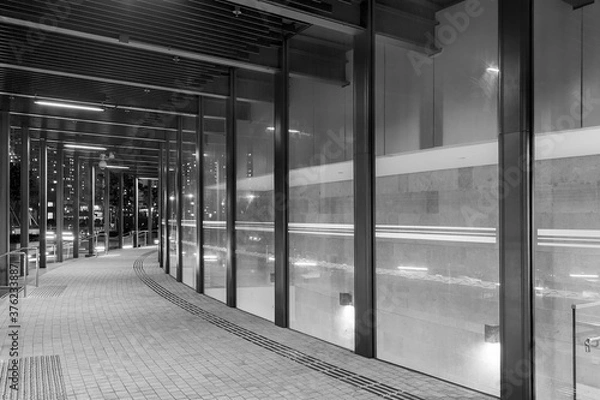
[(364, 185), (59, 206), (516, 208), (91, 214), (150, 201), (25, 167), (199, 211), (76, 204), (282, 189), (4, 194), (107, 210), (167, 208), (121, 210), (136, 211), (179, 198), (161, 213), (43, 224), (230, 151)]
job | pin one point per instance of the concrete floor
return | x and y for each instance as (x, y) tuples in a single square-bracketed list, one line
[(99, 329)]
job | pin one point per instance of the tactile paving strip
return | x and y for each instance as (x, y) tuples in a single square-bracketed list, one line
[(39, 377), (45, 292), (351, 378)]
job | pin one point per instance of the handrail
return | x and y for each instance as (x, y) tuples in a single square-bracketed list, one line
[(96, 236), (23, 252), (146, 232)]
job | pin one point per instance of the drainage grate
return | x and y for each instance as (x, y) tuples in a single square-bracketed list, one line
[(351, 378), (39, 377), (46, 292)]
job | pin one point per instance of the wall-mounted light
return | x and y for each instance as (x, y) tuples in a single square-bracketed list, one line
[(116, 167), (345, 299), (493, 69), (68, 105), (492, 333)]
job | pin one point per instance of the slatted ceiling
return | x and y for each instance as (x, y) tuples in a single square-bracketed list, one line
[(73, 55), (32, 84), (200, 26)]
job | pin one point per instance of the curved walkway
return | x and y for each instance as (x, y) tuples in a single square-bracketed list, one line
[(114, 328)]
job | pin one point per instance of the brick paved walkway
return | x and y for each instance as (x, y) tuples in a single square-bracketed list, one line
[(116, 338)]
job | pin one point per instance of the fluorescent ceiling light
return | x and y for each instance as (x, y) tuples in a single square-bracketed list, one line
[(305, 264), (116, 167), (584, 276), (493, 69), (85, 147), (414, 268), (67, 105)]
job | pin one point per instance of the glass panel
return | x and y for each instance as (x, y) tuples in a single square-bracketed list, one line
[(255, 219), (34, 193), (172, 210), (321, 202), (567, 199), (69, 222), (189, 170), (164, 210), (153, 223), (84, 207), (15, 189), (52, 181), (215, 234), (437, 267), (128, 220)]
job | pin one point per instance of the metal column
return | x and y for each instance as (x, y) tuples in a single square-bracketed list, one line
[(149, 239), (364, 179), (515, 162), (76, 204), (230, 150), (161, 202), (121, 211), (167, 208), (43, 168), (4, 194), (59, 206), (282, 190), (199, 210), (136, 211), (25, 167), (106, 210), (91, 214), (179, 198)]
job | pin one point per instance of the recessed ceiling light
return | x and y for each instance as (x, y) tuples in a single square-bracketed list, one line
[(68, 105)]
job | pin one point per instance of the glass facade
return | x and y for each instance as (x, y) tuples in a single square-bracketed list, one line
[(567, 214), (215, 179), (189, 239), (254, 226), (437, 268), (321, 207), (439, 204), (172, 230)]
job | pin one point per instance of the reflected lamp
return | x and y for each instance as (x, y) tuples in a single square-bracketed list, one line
[(345, 299), (492, 333)]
